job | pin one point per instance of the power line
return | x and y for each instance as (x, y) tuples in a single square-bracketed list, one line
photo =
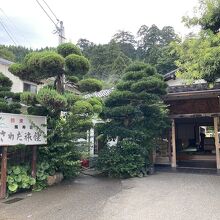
[(10, 36), (59, 26), (46, 13), (14, 26), (50, 10)]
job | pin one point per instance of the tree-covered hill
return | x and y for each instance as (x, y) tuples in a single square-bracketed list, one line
[(108, 61)]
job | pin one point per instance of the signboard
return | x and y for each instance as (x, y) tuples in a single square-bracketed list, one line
[(22, 129)]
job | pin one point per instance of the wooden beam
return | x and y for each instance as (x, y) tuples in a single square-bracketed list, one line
[(34, 162), (196, 115), (216, 121), (173, 163), (3, 173)]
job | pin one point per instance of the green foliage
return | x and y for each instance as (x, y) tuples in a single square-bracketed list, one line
[(10, 108), (50, 63), (43, 64), (38, 66), (18, 178), (51, 99), (63, 151), (6, 54), (28, 98), (120, 64), (126, 42), (72, 99), (106, 61), (19, 70), (96, 104), (82, 107), (207, 16), (43, 171), (77, 64), (72, 79), (14, 53), (136, 66), (90, 85), (5, 81), (199, 54), (66, 49), (63, 158), (38, 110), (47, 63), (166, 60), (8, 100), (135, 111), (123, 160), (199, 57), (152, 43)]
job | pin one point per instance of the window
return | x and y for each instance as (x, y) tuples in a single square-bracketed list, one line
[(30, 88)]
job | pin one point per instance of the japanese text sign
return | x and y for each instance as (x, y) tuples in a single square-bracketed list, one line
[(22, 129)]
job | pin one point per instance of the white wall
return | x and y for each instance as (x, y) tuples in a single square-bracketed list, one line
[(17, 85)]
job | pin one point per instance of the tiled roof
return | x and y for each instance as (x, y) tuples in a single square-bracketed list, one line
[(5, 62), (193, 87), (101, 94)]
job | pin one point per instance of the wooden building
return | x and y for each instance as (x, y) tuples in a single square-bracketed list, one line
[(193, 139)]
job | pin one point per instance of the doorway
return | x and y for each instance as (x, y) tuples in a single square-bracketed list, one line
[(195, 142)]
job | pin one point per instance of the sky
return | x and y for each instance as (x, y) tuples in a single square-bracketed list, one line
[(95, 20)]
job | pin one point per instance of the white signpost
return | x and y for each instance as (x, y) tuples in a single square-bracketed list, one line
[(20, 129)]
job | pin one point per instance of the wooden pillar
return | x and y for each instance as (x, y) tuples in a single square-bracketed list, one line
[(3, 173), (173, 163), (34, 161), (217, 142), (169, 146)]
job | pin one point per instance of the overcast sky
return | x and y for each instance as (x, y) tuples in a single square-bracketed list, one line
[(95, 20)]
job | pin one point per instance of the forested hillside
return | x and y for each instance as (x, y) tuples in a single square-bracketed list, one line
[(108, 61)]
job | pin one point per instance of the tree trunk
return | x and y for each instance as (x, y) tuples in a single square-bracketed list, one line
[(59, 83)]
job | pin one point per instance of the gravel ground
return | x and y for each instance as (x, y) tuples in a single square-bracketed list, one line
[(166, 196)]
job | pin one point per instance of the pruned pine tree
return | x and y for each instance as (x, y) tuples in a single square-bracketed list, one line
[(135, 114)]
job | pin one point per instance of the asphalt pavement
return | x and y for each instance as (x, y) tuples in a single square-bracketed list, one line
[(163, 196)]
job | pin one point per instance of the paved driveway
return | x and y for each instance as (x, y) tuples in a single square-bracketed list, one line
[(166, 196)]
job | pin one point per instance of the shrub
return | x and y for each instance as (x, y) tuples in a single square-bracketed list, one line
[(37, 110), (28, 98), (61, 157), (51, 99), (123, 160), (96, 104), (82, 107), (90, 85), (72, 79), (5, 81), (43, 171), (72, 99)]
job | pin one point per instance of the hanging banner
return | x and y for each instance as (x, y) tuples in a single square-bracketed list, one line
[(22, 129)]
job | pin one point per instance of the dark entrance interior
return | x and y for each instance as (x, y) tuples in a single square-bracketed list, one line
[(195, 142)]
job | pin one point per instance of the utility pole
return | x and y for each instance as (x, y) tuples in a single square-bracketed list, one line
[(57, 23), (61, 33)]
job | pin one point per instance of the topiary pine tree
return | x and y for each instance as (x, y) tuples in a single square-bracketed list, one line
[(68, 61), (135, 111), (9, 101)]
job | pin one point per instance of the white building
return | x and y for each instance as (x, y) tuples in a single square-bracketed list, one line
[(18, 84)]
